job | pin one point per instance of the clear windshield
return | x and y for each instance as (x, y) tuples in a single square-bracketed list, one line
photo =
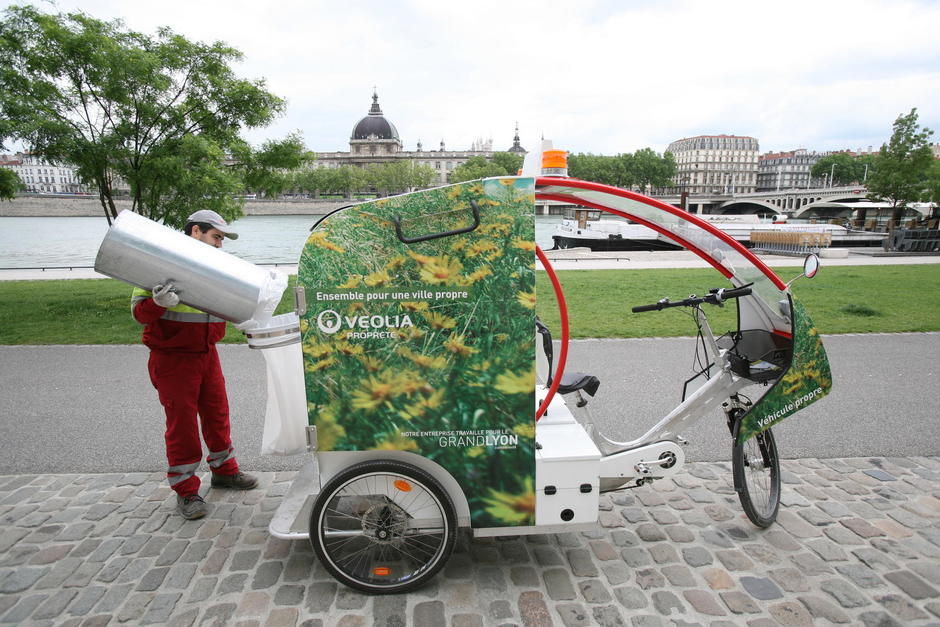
[(737, 263)]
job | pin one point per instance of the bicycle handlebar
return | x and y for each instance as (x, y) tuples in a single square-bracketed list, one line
[(714, 297)]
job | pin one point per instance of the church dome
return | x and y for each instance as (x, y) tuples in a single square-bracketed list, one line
[(375, 124)]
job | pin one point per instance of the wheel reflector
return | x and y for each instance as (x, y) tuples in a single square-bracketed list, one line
[(403, 485), (382, 571)]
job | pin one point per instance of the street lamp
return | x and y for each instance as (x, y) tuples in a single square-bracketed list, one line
[(831, 172)]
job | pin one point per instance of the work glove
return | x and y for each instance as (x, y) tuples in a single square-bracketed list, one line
[(164, 295)]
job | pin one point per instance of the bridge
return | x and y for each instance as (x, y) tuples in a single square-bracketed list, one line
[(795, 203)]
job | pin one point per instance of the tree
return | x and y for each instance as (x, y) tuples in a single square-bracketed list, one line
[(650, 169), (932, 192), (901, 167), (844, 168), (511, 162), (616, 170), (476, 168), (9, 184), (268, 171), (158, 112)]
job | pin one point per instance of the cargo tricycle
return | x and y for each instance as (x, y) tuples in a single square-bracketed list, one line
[(434, 399)]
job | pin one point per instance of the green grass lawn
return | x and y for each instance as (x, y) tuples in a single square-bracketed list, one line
[(843, 299)]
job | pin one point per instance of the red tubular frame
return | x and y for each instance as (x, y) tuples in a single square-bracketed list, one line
[(563, 312)]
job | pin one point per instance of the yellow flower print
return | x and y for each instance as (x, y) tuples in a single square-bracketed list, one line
[(351, 283), (408, 382), (420, 359), (316, 351), (373, 394), (318, 238), (508, 182), (510, 383), (524, 244), (421, 259), (328, 430), (346, 348), (526, 299), (476, 189), (417, 410), (441, 270), (439, 321), (458, 245), (495, 227), (454, 191), (475, 451), (395, 262), (516, 509), (410, 305), (478, 248), (370, 363), (395, 442), (378, 279), (456, 345), (501, 337), (320, 365), (410, 333), (477, 275)]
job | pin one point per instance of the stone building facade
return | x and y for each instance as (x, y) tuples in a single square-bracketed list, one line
[(787, 170), (41, 177), (715, 164), (375, 140)]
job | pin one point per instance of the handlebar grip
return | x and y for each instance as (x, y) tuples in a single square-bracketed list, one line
[(641, 308), (735, 293)]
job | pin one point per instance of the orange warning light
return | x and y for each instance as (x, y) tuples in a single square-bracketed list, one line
[(381, 571), (402, 485), (555, 163)]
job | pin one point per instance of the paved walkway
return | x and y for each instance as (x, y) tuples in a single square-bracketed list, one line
[(857, 542)]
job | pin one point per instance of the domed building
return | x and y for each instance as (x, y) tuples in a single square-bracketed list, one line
[(374, 139)]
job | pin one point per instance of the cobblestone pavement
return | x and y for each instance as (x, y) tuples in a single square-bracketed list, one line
[(857, 542)]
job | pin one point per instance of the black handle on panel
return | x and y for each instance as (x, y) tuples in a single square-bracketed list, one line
[(424, 238)]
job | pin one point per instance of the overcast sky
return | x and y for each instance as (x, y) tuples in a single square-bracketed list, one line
[(602, 76)]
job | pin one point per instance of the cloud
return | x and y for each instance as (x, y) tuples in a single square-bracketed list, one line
[(598, 76)]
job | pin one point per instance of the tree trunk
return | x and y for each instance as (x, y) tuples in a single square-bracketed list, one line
[(896, 215)]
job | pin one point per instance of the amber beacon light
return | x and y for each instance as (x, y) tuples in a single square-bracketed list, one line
[(555, 163)]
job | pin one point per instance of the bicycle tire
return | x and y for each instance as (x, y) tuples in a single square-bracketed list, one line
[(361, 527), (756, 469)]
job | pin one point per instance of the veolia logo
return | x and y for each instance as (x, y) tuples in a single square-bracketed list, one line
[(329, 321)]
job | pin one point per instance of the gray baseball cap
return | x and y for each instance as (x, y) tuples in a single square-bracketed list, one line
[(211, 217)]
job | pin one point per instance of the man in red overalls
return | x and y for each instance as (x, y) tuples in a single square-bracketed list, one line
[(185, 370)]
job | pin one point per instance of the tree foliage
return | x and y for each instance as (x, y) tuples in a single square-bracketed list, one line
[(158, 112), (476, 168), (9, 184), (642, 169), (509, 161), (844, 168), (900, 173)]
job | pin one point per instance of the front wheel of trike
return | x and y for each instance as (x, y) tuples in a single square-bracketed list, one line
[(383, 527), (757, 477)]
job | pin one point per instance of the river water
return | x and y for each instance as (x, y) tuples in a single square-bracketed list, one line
[(73, 242)]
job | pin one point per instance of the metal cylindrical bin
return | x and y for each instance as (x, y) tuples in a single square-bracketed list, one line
[(145, 253)]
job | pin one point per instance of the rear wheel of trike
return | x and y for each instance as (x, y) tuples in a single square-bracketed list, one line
[(383, 527), (757, 477)]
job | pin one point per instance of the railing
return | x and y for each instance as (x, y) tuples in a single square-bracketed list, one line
[(790, 242)]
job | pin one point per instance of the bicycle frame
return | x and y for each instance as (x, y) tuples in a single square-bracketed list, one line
[(716, 391)]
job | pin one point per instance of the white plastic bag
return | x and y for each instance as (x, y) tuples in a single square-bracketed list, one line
[(285, 417)]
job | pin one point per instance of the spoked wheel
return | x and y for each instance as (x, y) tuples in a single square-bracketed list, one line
[(757, 477), (383, 527)]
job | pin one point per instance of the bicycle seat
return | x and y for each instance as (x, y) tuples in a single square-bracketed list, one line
[(574, 381)]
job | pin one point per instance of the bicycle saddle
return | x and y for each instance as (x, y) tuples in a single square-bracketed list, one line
[(574, 381)]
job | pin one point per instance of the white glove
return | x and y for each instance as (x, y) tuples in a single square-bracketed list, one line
[(164, 295)]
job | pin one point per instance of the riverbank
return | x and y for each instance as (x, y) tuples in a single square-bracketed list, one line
[(44, 206)]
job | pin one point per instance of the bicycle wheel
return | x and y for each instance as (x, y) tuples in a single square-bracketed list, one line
[(383, 527), (757, 477)]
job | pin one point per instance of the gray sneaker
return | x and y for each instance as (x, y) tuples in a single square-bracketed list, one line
[(238, 481), (191, 507)]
